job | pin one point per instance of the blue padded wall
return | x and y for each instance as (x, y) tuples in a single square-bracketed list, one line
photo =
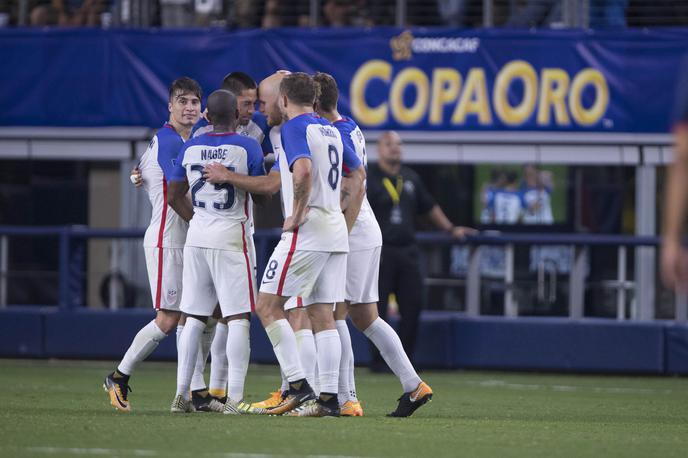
[(559, 344), (21, 332)]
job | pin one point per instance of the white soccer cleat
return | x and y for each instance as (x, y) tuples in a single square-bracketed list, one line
[(181, 405)]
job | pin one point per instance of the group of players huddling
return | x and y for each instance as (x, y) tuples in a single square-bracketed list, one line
[(201, 258)]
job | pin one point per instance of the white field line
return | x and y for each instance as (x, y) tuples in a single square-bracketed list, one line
[(563, 388), (151, 452)]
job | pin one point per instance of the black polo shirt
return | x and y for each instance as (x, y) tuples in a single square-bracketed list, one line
[(398, 224)]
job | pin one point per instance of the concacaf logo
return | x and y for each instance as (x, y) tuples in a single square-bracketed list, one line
[(402, 46)]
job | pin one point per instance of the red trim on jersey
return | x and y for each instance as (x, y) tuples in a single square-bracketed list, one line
[(342, 119), (161, 232), (169, 126), (248, 264), (283, 276), (220, 134), (299, 302), (346, 169)]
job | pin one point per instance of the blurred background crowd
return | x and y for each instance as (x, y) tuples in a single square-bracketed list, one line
[(342, 13)]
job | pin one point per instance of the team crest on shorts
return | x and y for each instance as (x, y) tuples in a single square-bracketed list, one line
[(171, 295)]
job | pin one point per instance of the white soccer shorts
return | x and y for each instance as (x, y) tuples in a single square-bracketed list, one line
[(212, 276), (164, 266), (317, 275), (297, 303), (362, 274)]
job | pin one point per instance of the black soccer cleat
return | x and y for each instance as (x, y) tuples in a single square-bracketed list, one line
[(299, 393), (204, 402), (118, 390), (410, 402)]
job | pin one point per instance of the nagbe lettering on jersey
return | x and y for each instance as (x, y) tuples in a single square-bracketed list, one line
[(215, 153)]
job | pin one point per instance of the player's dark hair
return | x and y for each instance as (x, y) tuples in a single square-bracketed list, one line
[(185, 85), (300, 88), (238, 82), (329, 92), (222, 108)]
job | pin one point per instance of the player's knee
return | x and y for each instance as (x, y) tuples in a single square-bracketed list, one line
[(167, 321), (363, 315), (340, 311), (321, 317)]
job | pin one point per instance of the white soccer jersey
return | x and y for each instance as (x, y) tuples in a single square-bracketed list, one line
[(255, 129), (366, 232), (166, 228), (220, 210), (310, 136)]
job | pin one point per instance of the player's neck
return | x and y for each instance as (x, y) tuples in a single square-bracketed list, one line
[(390, 168), (297, 110), (222, 129), (183, 131), (331, 116)]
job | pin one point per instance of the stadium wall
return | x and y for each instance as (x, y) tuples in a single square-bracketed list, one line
[(447, 340)]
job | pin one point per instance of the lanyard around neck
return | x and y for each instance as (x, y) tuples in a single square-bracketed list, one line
[(394, 192)]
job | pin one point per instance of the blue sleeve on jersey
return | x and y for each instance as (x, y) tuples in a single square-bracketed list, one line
[(350, 159), (294, 141), (256, 166), (201, 123), (177, 172), (168, 149)]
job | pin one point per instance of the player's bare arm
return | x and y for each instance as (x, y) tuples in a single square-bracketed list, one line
[(352, 195), (257, 185), (136, 177), (674, 255), (302, 191), (176, 198)]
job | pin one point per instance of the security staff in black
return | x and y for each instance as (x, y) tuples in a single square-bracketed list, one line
[(398, 196)]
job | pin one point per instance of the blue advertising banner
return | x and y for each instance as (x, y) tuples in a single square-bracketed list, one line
[(416, 79)]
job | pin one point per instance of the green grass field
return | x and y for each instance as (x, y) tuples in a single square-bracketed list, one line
[(50, 409)]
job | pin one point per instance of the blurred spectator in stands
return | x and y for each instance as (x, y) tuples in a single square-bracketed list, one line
[(461, 13), (607, 13), (176, 13), (337, 13), (285, 13), (245, 13), (535, 13), (67, 13)]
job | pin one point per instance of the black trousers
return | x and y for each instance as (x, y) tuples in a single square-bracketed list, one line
[(400, 274)]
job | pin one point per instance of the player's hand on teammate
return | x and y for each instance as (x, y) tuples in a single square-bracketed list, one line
[(136, 177), (675, 265), (216, 173), (461, 232)]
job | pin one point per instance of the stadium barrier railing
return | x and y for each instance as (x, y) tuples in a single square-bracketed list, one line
[(266, 238)]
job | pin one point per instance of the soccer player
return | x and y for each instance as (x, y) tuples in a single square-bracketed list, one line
[(311, 256), (164, 239), (252, 124), (297, 316), (217, 264), (363, 266)]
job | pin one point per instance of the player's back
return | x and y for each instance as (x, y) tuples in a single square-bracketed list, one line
[(366, 231), (166, 228), (310, 136), (220, 210)]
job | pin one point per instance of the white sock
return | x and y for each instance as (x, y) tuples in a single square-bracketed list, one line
[(145, 341), (180, 328), (389, 344), (238, 355), (198, 379), (305, 343), (346, 361), (218, 361), (329, 354), (352, 383), (189, 343), (284, 344), (285, 382)]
